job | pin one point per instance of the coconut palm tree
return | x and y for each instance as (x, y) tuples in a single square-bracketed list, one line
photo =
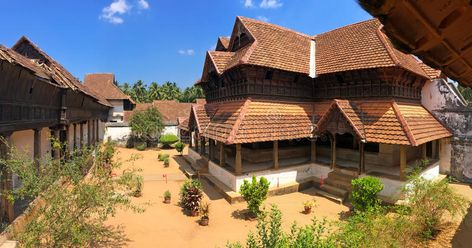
[(154, 92), (170, 91)]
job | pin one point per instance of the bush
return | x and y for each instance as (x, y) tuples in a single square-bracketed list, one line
[(270, 233), (141, 147), (167, 194), (364, 193), (429, 201), (190, 196), (254, 193), (166, 162), (162, 156), (179, 147), (168, 139), (146, 126)]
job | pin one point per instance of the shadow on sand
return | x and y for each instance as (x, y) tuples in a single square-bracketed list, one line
[(463, 235), (113, 236)]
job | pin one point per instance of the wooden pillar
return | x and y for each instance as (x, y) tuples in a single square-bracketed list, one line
[(361, 158), (89, 133), (434, 150), (333, 152), (313, 150), (97, 131), (402, 161), (222, 154), (75, 136), (6, 206), (423, 151), (37, 144), (203, 145), (275, 154), (238, 168), (196, 143), (190, 145), (81, 133)]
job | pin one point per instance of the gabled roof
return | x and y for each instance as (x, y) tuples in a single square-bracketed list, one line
[(387, 122), (104, 84), (353, 47), (170, 110), (222, 44), (58, 73)]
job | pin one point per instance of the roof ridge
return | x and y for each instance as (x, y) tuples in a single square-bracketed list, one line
[(242, 114), (349, 119), (404, 123), (342, 27), (390, 52), (273, 25)]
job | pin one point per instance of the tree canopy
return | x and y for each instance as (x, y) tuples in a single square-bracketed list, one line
[(142, 93), (146, 125)]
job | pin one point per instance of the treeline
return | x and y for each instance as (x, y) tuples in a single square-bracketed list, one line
[(141, 93)]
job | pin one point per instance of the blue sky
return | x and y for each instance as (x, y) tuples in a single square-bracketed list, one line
[(154, 40)]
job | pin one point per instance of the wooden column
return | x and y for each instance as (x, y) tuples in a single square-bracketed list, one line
[(190, 145), (402, 161), (75, 136), (222, 154), (97, 131), (313, 150), (195, 137), (89, 133), (6, 206), (361, 158), (81, 133), (275, 154), (37, 144), (333, 152), (434, 150), (211, 149), (238, 168), (423, 151)]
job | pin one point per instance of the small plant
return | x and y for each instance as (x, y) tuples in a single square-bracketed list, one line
[(136, 186), (204, 212), (162, 156), (254, 193), (167, 197), (141, 147), (179, 147), (364, 193), (168, 139), (166, 162), (190, 196), (308, 205)]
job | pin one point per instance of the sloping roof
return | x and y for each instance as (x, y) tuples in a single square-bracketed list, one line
[(358, 46), (388, 122), (170, 110), (11, 56), (104, 84), (183, 123), (222, 44), (436, 31), (58, 73)]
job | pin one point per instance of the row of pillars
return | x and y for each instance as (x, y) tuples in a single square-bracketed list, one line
[(6, 184)]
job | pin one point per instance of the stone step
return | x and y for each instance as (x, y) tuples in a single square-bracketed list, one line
[(342, 184), (335, 198), (341, 176), (347, 172), (341, 193)]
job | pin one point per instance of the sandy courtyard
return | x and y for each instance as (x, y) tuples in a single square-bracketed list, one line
[(163, 225)]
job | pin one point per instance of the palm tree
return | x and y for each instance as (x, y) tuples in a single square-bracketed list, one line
[(190, 94), (139, 92), (125, 88), (154, 92), (170, 91)]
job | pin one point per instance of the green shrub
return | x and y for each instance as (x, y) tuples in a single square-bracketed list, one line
[(168, 139), (162, 156), (191, 194), (270, 233), (167, 194), (179, 147), (428, 201), (166, 162), (146, 126), (141, 147), (254, 193), (364, 193)]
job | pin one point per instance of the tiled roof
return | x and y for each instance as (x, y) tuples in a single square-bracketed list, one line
[(11, 56), (183, 123), (58, 73), (222, 44), (353, 47), (104, 84), (170, 110), (388, 122)]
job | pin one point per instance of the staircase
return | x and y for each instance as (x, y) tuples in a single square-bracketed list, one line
[(337, 186)]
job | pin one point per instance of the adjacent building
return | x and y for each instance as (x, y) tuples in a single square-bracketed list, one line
[(40, 99), (300, 109)]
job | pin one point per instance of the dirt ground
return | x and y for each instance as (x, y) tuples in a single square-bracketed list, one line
[(163, 225)]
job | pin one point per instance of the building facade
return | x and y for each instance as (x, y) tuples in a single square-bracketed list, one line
[(302, 109), (40, 99)]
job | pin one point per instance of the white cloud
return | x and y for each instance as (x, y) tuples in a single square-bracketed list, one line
[(115, 11), (263, 18), (143, 4), (248, 3), (188, 52), (270, 4)]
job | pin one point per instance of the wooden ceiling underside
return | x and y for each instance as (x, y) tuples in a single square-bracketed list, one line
[(437, 31)]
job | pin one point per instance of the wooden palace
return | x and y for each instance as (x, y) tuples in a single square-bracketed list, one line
[(296, 108), (41, 99)]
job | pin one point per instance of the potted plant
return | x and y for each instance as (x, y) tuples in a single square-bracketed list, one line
[(166, 162), (308, 205), (179, 147), (204, 212), (191, 195), (167, 197), (137, 185)]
